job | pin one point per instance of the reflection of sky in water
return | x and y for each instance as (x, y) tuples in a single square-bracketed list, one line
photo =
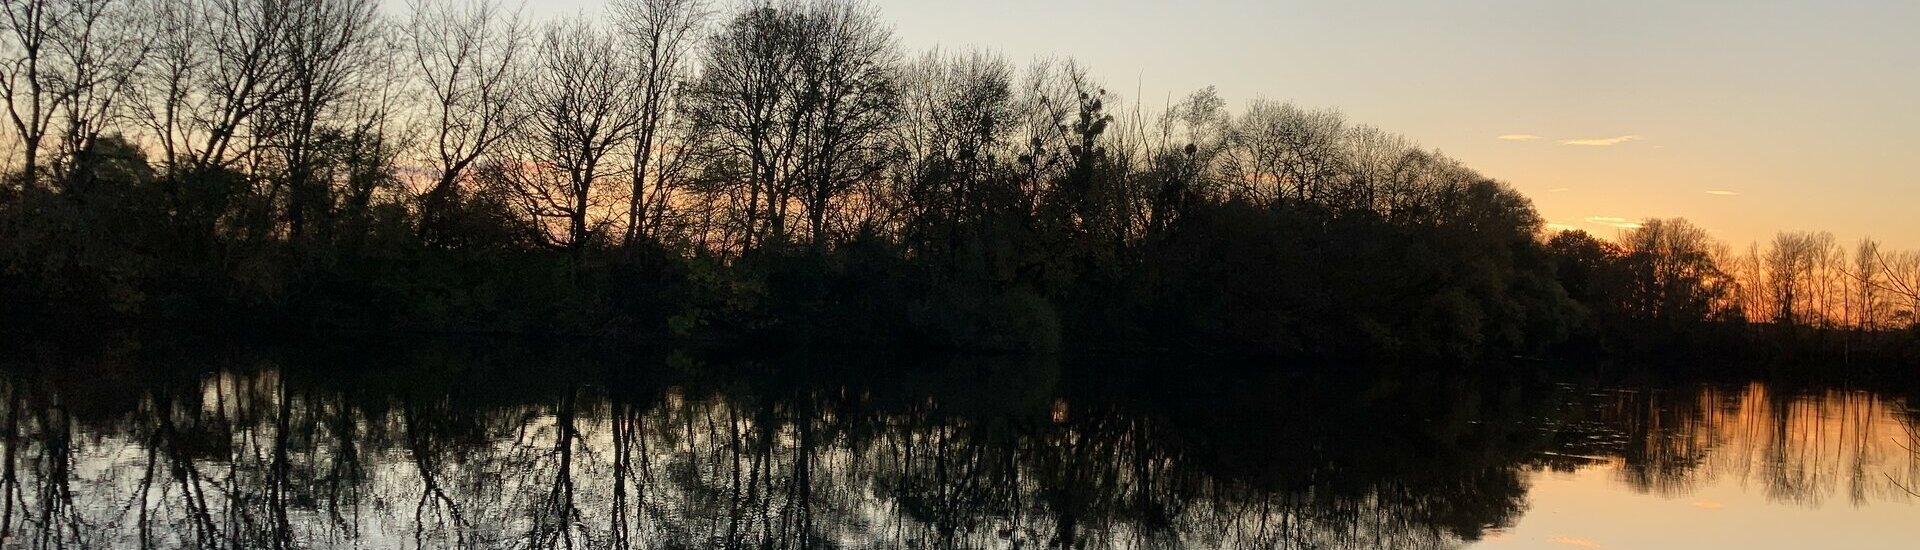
[(1746, 470), (960, 457)]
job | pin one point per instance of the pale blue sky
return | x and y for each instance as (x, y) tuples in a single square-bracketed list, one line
[(1806, 109)]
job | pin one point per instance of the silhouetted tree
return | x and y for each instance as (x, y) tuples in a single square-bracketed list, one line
[(582, 108), (659, 36), (1672, 275), (468, 55), (311, 161)]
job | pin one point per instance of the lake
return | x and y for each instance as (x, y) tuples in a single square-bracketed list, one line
[(478, 445)]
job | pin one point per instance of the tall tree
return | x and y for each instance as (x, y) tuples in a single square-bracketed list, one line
[(659, 37), (65, 66), (580, 101), (1869, 300), (1284, 152), (849, 98), (333, 49), (468, 56), (801, 91)]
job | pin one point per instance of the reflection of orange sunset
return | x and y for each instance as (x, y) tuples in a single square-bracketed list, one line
[(1837, 460)]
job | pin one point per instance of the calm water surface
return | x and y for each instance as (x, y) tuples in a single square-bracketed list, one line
[(446, 447)]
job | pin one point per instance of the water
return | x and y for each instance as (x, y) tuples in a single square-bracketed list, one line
[(447, 447)]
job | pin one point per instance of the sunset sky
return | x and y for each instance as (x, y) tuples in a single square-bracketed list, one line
[(1746, 116)]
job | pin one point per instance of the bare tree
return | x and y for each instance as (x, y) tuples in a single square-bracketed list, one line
[(951, 129), (1792, 277), (1046, 102), (331, 51), (660, 35), (104, 49), (64, 68), (803, 93), (1673, 271), (31, 81), (165, 89), (1372, 153), (469, 58), (241, 70), (742, 100), (1281, 149), (1869, 300), (849, 98), (580, 105), (1829, 284), (1191, 136)]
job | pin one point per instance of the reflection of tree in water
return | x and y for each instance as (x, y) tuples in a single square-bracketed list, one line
[(1798, 447), (990, 453)]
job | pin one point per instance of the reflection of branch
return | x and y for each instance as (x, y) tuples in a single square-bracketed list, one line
[(9, 481), (560, 498), (1901, 486), (180, 462), (147, 479), (1911, 449), (431, 490), (56, 492)]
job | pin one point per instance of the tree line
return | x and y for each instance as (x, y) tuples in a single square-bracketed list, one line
[(1802, 287), (781, 168)]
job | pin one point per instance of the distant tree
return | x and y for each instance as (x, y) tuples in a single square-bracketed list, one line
[(1792, 273), (956, 115), (1672, 274), (1181, 162), (1893, 278), (1283, 152), (1588, 267), (1371, 164), (1869, 300)]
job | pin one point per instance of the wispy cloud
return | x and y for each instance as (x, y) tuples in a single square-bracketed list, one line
[(1600, 142), (1519, 137), (1575, 542), (1558, 190), (1722, 192), (1561, 226), (1614, 221)]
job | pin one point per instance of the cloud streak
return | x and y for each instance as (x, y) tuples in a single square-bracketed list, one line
[(1600, 142), (1614, 221), (1722, 193), (1519, 137)]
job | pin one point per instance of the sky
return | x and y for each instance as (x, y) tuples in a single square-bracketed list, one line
[(1745, 116)]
